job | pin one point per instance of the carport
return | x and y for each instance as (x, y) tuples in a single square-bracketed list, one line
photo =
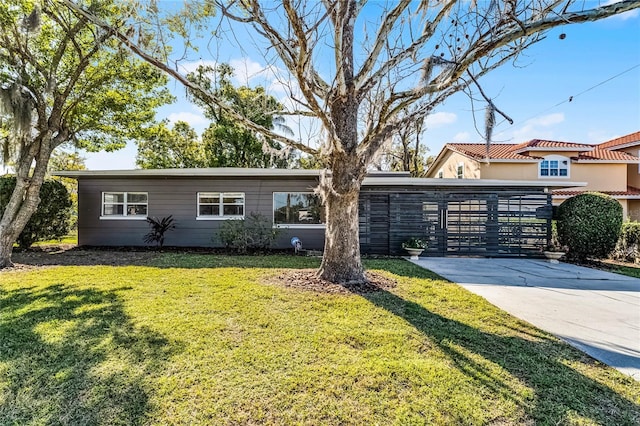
[(457, 217)]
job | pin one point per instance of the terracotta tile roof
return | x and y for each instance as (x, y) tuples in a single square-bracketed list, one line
[(623, 140), (478, 151), (539, 143), (605, 154), (631, 191)]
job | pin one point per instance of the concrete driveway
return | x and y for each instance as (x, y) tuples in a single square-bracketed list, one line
[(597, 312)]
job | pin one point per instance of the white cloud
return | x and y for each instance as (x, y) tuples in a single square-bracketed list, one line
[(440, 119), (194, 119), (538, 128), (462, 137), (246, 70), (188, 67), (547, 120)]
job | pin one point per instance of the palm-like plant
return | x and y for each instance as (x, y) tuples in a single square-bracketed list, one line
[(158, 228)]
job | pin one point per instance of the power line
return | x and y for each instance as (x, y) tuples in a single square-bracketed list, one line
[(571, 98)]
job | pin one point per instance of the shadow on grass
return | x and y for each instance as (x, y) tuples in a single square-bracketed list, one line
[(70, 356), (560, 392)]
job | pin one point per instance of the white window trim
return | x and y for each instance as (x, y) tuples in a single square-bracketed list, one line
[(440, 174), (558, 158), (301, 226), (125, 215), (221, 196), (461, 164), (292, 225)]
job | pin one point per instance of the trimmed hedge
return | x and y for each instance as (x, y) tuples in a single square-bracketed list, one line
[(628, 247), (589, 225), (52, 218)]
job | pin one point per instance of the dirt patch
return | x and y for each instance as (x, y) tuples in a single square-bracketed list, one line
[(606, 264), (71, 255), (306, 279)]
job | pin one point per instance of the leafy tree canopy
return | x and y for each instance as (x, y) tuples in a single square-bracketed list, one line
[(165, 148), (65, 80), (226, 142)]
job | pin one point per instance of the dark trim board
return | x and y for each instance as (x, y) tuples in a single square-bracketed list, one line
[(456, 217)]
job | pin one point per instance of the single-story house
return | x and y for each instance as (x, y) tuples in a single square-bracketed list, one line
[(612, 167), (468, 216)]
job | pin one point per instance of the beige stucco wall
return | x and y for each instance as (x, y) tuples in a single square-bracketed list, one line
[(450, 164), (633, 170), (633, 208), (633, 175), (512, 171), (600, 176), (625, 209)]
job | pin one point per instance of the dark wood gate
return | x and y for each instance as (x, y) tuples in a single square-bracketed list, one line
[(480, 223)]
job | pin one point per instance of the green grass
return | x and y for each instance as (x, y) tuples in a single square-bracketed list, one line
[(202, 339), (72, 238), (626, 270)]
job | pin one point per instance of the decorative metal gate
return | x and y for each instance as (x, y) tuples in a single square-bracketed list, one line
[(504, 223)]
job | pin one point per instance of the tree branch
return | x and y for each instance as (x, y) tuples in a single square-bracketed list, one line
[(489, 101), (182, 79)]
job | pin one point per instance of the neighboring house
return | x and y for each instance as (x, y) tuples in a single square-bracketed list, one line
[(612, 167), (483, 217)]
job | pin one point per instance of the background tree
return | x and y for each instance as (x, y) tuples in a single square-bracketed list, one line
[(227, 143), (164, 148), (340, 52), (52, 218), (61, 159), (62, 79), (405, 151)]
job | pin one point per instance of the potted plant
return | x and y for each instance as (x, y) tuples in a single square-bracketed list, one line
[(414, 246), (554, 250)]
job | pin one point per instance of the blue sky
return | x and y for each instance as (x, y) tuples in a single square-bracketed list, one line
[(535, 93)]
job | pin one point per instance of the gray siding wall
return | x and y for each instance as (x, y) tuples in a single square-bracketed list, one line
[(178, 197)]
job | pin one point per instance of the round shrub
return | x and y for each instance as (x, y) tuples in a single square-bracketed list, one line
[(589, 225), (51, 220)]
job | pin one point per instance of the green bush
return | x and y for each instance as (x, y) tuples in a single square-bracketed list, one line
[(52, 218), (254, 232), (589, 225), (628, 246)]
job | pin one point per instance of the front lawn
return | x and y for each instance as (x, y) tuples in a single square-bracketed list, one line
[(202, 339)]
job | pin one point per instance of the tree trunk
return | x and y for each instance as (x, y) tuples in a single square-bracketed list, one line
[(340, 191), (6, 247), (16, 216), (26, 196), (341, 260)]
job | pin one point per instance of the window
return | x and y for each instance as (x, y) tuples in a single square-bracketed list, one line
[(129, 205), (297, 209), (460, 171), (220, 205), (440, 174), (554, 166)]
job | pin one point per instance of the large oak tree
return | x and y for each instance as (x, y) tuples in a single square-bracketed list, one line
[(356, 65), (64, 80)]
